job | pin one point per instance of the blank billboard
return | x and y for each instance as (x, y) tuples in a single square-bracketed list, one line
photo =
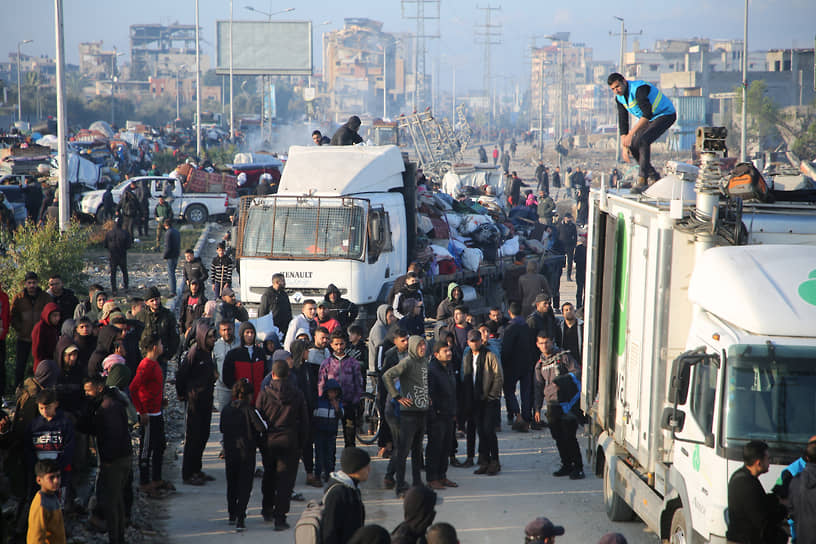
[(281, 48)]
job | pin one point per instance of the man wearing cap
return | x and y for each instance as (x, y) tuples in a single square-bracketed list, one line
[(228, 308), (275, 301), (411, 290), (161, 322), (284, 409), (542, 531), (343, 509), (26, 307), (325, 319)]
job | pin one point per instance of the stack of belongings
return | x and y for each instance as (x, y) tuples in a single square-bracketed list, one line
[(463, 233), (23, 159)]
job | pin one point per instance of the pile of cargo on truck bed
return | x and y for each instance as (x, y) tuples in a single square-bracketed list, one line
[(23, 159)]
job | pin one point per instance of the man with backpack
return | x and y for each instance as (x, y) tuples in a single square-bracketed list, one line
[(343, 509)]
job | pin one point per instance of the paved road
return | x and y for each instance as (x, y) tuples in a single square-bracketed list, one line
[(483, 509)]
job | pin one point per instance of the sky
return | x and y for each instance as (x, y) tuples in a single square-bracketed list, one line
[(772, 24)]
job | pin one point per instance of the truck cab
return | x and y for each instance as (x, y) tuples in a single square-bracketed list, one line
[(339, 217)]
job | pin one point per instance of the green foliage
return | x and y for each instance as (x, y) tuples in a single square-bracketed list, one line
[(165, 161), (805, 144), (44, 250), (222, 155), (763, 114)]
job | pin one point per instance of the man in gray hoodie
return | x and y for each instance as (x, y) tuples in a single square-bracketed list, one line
[(377, 335), (414, 401)]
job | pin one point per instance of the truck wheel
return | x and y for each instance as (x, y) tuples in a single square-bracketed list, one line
[(196, 214), (616, 508), (677, 532)]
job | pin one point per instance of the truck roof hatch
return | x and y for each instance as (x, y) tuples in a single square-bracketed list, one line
[(342, 170), (765, 290)]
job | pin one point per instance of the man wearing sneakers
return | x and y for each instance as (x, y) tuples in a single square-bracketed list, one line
[(655, 114)]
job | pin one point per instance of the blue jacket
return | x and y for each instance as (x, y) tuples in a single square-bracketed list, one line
[(661, 105), (324, 416)]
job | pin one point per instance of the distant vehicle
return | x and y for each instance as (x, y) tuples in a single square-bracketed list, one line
[(15, 199), (193, 207)]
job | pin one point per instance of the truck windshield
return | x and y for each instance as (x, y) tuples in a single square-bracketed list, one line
[(771, 394), (304, 229)]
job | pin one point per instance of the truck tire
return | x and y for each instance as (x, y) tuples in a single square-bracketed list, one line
[(677, 530), (616, 508), (196, 214)]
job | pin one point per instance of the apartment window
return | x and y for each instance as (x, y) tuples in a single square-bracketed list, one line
[(654, 67)]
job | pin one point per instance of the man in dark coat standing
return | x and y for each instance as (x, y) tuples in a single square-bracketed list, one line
[(347, 134), (517, 360), (754, 516), (172, 250), (117, 242), (283, 407), (275, 301)]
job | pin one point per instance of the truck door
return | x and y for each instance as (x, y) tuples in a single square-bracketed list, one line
[(635, 335), (694, 454)]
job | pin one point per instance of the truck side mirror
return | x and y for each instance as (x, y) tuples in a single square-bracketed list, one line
[(673, 420), (679, 386)]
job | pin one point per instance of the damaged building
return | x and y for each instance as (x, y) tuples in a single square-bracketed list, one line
[(160, 50), (362, 64)]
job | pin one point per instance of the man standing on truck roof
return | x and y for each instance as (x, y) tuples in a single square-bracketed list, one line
[(655, 114), (347, 133), (754, 517)]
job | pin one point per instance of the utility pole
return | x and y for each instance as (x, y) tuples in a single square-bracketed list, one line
[(62, 149), (232, 109), (420, 16), (19, 84), (743, 134), (623, 34), (198, 87), (488, 35)]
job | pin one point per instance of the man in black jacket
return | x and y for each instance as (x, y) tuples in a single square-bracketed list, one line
[(275, 301), (517, 362), (106, 418), (161, 322), (129, 208), (347, 133), (193, 269), (195, 382), (192, 305), (63, 297), (117, 242), (568, 235), (754, 516), (802, 497), (343, 509), (441, 416), (172, 249), (543, 318), (341, 309), (284, 409)]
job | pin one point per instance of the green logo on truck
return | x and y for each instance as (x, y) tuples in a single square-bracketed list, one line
[(621, 286), (807, 289)]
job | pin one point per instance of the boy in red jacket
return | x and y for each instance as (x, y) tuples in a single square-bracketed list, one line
[(146, 392)]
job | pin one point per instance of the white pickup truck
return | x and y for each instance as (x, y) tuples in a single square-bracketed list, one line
[(193, 207)]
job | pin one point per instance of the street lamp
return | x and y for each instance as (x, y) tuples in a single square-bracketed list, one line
[(19, 84), (113, 82), (287, 10), (178, 94), (559, 38)]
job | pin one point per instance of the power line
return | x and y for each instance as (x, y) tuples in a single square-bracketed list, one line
[(420, 16), (488, 34)]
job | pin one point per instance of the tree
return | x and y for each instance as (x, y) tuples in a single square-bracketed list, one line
[(763, 114), (805, 145)]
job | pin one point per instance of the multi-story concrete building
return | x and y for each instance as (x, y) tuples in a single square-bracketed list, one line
[(360, 63), (96, 64), (158, 50)]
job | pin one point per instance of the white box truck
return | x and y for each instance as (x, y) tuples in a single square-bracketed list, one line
[(700, 335)]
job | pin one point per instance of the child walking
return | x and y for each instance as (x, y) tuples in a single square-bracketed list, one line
[(327, 414), (45, 521)]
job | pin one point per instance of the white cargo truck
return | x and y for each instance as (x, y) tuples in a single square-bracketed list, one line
[(346, 215), (700, 335)]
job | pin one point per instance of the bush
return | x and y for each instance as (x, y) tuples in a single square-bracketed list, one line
[(44, 250)]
